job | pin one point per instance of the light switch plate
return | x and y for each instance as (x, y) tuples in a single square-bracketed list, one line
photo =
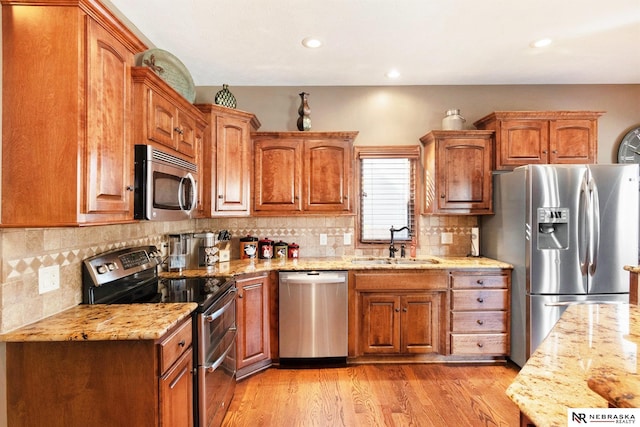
[(323, 239), (347, 238), (48, 279)]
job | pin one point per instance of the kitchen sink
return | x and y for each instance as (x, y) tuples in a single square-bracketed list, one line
[(370, 261), (391, 261)]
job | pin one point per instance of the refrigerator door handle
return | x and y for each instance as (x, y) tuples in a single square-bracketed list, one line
[(568, 303), (583, 227), (594, 208)]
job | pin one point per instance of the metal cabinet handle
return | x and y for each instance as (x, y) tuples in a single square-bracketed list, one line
[(130, 188), (442, 196), (480, 345), (240, 295), (397, 310), (480, 299), (182, 343), (480, 322), (405, 309), (178, 130), (480, 282)]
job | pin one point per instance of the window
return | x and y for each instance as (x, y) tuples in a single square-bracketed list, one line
[(387, 183)]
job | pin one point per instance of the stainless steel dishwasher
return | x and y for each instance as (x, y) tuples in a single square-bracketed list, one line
[(313, 316)]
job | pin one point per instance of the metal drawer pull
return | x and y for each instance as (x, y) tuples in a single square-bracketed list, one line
[(480, 299), (480, 282), (212, 367), (480, 345), (480, 322), (182, 343)]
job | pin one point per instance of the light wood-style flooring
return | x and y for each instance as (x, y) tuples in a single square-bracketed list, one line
[(377, 395)]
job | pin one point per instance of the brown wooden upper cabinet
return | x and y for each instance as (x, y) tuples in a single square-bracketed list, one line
[(67, 157), (226, 161), (302, 172), (457, 172), (540, 137), (162, 116)]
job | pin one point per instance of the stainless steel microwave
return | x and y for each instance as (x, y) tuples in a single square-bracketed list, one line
[(165, 185)]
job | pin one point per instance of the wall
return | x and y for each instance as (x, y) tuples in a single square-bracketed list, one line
[(402, 114)]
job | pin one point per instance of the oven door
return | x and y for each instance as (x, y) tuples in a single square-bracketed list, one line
[(216, 359)]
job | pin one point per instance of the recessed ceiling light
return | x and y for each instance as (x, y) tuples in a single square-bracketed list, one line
[(541, 42), (311, 42), (393, 74)]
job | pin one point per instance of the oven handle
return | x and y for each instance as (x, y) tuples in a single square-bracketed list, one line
[(213, 366), (213, 316)]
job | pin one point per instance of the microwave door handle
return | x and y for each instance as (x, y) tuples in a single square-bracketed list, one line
[(181, 194)]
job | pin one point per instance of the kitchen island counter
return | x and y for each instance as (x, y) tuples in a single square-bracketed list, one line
[(104, 322), (591, 345), (236, 267)]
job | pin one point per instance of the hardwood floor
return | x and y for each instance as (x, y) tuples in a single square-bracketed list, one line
[(377, 395)]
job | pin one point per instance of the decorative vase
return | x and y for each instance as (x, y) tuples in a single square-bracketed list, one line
[(225, 98), (304, 121)]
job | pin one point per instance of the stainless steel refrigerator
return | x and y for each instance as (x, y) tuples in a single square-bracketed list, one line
[(568, 230)]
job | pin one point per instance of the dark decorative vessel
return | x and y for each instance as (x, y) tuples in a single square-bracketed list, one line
[(304, 121)]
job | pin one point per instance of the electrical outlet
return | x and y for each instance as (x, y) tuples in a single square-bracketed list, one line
[(323, 239), (347, 238), (48, 279), (446, 238)]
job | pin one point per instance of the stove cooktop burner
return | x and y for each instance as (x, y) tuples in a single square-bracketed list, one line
[(201, 290)]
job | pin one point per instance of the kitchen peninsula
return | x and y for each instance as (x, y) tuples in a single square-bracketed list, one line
[(588, 360)]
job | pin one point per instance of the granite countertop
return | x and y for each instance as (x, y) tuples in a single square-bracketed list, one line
[(103, 322), (632, 268), (592, 345), (236, 267)]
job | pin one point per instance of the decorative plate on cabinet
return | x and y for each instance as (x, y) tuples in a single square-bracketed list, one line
[(171, 70)]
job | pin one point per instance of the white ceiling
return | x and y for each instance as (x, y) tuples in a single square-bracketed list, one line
[(450, 42)]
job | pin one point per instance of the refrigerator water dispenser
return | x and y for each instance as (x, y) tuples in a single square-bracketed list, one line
[(553, 228)]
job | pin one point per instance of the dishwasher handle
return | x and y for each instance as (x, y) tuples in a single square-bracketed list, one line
[(313, 277)]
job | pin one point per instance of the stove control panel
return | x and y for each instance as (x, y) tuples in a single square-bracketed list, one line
[(114, 265)]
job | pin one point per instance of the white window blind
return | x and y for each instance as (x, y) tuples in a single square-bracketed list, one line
[(388, 198)]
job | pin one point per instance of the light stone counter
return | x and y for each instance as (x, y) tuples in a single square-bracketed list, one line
[(591, 343), (236, 267), (103, 322)]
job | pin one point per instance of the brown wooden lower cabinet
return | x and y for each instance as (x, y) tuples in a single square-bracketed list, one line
[(102, 383), (396, 313), (407, 323), (480, 313), (252, 312)]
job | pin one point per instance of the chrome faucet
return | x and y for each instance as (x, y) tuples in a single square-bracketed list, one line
[(392, 248)]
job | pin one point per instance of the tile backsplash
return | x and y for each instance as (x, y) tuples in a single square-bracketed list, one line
[(24, 251)]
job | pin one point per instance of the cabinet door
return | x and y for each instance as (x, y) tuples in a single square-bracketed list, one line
[(252, 310), (572, 141), (420, 323), (109, 167), (381, 323), (232, 165), (162, 120), (464, 174), (186, 134), (522, 142), (176, 393), (327, 175), (277, 175)]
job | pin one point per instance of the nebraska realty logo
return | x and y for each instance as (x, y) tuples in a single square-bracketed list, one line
[(600, 416)]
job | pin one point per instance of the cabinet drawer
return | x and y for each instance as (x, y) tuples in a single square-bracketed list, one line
[(479, 281), (490, 299), (479, 344), (479, 321), (395, 280), (174, 345)]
